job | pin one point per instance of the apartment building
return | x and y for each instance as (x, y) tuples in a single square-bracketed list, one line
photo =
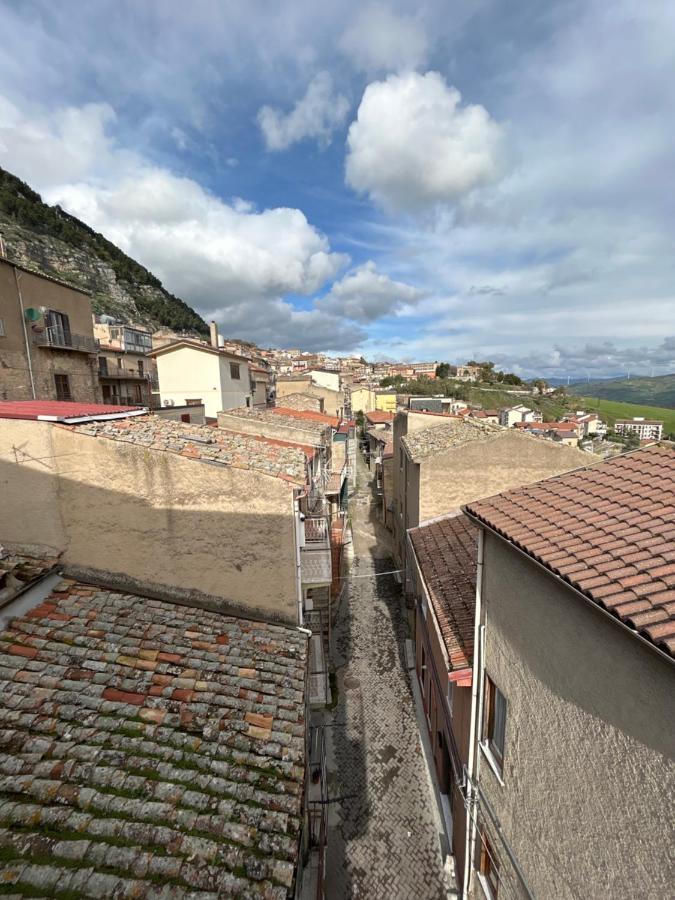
[(191, 373), (126, 374), (441, 463), (176, 760), (468, 373), (645, 429), (47, 345), (361, 398), (572, 771), (519, 413), (385, 401), (195, 513)]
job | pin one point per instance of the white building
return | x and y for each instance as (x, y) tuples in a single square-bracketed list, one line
[(508, 417), (646, 429), (322, 378), (192, 374)]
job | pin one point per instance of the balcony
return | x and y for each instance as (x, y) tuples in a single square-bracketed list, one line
[(315, 555), (60, 339), (126, 373)]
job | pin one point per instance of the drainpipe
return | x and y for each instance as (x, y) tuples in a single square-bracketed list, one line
[(298, 558), (471, 795), (25, 333)]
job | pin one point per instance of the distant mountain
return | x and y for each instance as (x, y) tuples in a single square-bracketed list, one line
[(49, 239), (656, 391)]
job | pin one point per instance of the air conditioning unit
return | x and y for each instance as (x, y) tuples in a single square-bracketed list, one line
[(169, 402)]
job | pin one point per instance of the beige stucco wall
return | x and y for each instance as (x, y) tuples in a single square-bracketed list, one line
[(333, 401), (589, 777), (362, 400), (187, 373), (486, 467), (264, 428), (153, 517)]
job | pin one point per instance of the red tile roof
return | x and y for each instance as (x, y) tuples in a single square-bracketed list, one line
[(307, 414), (379, 417), (608, 530), (446, 552), (62, 410)]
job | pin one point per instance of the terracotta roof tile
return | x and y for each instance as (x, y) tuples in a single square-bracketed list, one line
[(136, 748), (609, 530), (446, 552)]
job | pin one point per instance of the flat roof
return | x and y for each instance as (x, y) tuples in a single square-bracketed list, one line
[(149, 748), (65, 411)]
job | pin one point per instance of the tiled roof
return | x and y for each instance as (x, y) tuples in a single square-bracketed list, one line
[(446, 553), (302, 401), (148, 750), (427, 441), (19, 570), (379, 417), (291, 418), (281, 459), (608, 530), (62, 410)]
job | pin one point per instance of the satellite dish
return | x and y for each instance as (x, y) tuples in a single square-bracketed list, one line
[(32, 314)]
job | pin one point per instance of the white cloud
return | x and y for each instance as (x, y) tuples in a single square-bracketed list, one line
[(365, 295), (316, 115), (380, 40), (413, 144)]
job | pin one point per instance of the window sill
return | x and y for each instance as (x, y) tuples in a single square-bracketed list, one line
[(485, 887), (492, 762)]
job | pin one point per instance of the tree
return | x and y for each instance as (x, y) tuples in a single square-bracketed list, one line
[(442, 370), (540, 386)]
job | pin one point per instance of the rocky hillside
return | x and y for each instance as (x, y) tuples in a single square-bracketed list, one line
[(49, 239)]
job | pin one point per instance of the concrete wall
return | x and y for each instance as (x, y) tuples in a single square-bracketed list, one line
[(188, 373), (81, 368), (486, 467), (333, 401), (330, 380), (267, 428), (385, 402), (175, 414), (362, 400), (224, 535), (589, 774)]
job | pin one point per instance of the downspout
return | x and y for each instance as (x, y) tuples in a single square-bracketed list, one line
[(470, 841), (25, 334), (298, 559)]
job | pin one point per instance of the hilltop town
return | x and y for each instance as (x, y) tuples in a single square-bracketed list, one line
[(269, 618)]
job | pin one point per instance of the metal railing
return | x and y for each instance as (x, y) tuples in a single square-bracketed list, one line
[(317, 531), (122, 372), (54, 336)]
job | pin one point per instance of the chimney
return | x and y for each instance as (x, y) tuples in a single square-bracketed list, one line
[(214, 335)]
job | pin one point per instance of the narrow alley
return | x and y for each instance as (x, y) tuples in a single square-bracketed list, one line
[(383, 839)]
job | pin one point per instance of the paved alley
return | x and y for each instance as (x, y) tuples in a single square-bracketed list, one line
[(383, 841)]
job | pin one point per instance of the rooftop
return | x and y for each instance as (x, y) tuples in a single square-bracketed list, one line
[(64, 410), (379, 417), (428, 441), (307, 419), (149, 750), (39, 274), (195, 345), (280, 459), (607, 530), (446, 552)]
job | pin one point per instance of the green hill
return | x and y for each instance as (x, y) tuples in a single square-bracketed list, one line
[(611, 410), (49, 239), (656, 391)]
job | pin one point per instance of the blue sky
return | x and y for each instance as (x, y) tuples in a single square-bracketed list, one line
[(430, 180)]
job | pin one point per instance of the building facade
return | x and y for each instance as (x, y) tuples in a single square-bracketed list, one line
[(126, 374), (645, 429), (47, 345)]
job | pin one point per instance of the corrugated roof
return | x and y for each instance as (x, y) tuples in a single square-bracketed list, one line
[(63, 410), (446, 552), (608, 530), (149, 749)]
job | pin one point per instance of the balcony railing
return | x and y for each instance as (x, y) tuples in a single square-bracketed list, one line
[(66, 340), (317, 533), (105, 372), (125, 401)]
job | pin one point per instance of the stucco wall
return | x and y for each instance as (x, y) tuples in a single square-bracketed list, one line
[(187, 373), (154, 517), (590, 737), (264, 428), (483, 468)]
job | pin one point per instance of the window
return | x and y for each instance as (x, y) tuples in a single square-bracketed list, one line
[(495, 720), (234, 371), (138, 396), (102, 366), (58, 328), (140, 367), (423, 668), (62, 385), (194, 402), (119, 363), (185, 417), (2, 328), (450, 695), (488, 865)]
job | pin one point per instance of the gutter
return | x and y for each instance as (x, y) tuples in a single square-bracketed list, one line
[(596, 606), (470, 840)]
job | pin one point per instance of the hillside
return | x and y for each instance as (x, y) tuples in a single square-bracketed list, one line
[(656, 391), (611, 410), (49, 239)]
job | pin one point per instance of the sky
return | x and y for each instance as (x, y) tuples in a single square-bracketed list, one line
[(430, 180)]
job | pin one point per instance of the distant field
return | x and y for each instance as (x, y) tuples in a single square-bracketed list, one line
[(656, 391), (611, 410)]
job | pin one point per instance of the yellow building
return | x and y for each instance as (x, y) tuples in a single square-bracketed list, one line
[(385, 402)]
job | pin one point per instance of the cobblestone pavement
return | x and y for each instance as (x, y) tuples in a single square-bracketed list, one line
[(382, 841)]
